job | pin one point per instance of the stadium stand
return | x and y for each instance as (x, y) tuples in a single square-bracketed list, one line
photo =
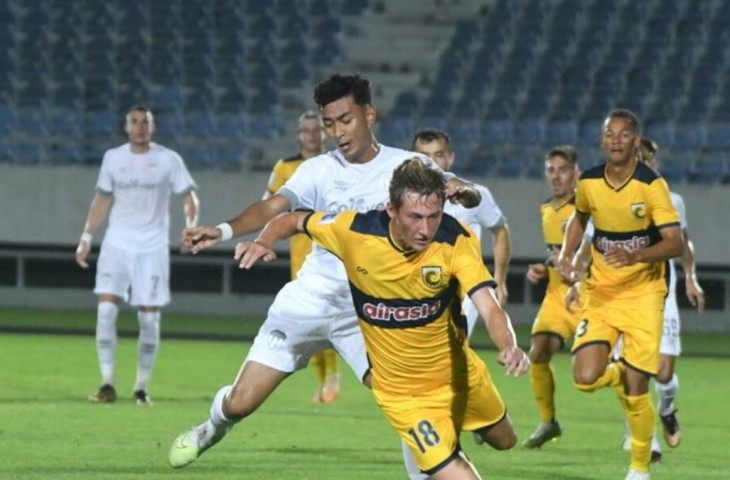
[(507, 76)]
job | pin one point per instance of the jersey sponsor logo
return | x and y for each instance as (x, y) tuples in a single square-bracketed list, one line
[(354, 204), (134, 184), (432, 276), (384, 313), (632, 244), (638, 210)]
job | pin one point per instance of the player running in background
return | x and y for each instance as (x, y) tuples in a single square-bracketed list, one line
[(408, 268), (637, 231), (554, 324), (437, 145), (666, 382), (135, 183), (315, 310), (310, 137)]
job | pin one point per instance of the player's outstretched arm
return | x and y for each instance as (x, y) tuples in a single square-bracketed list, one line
[(501, 250), (501, 332), (98, 211), (250, 220), (283, 226)]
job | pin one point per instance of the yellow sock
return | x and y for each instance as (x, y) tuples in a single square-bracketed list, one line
[(318, 363), (543, 386), (641, 415), (330, 361), (612, 377)]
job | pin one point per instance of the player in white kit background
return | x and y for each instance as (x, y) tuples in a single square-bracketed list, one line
[(314, 311), (134, 187)]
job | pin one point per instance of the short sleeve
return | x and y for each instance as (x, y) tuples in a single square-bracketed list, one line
[(469, 269), (660, 204), (182, 181), (105, 182), (276, 179), (582, 202), (678, 203), (330, 230), (489, 215)]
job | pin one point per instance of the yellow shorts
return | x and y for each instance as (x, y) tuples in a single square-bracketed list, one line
[(430, 423), (554, 318), (640, 321)]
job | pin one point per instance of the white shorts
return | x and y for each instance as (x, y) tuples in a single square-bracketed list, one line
[(671, 343), (147, 273), (301, 323)]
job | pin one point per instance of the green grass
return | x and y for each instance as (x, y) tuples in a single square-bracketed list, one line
[(49, 431)]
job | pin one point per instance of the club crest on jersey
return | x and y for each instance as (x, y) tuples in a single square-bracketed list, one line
[(432, 276), (638, 210)]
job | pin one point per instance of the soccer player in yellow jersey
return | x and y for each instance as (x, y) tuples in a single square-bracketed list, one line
[(408, 267), (636, 232), (311, 143), (554, 324)]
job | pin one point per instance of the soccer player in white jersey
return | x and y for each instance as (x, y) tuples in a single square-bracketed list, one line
[(134, 187), (313, 311), (437, 145), (667, 382)]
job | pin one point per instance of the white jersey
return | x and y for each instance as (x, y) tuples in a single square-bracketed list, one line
[(487, 214), (329, 183), (141, 185), (671, 301)]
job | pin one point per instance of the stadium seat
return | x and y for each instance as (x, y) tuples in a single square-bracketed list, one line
[(718, 136), (689, 136)]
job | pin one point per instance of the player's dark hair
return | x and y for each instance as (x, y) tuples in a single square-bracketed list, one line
[(138, 108), (568, 152), (627, 115), (415, 176), (428, 135), (339, 86)]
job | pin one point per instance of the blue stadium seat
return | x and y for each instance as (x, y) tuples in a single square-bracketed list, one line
[(497, 130), (530, 131), (660, 132), (709, 168), (561, 132), (689, 136), (718, 136), (201, 124)]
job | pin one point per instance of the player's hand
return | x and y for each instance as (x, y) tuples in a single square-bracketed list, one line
[(536, 272), (569, 273), (515, 361), (248, 253), (196, 239), (695, 294), (82, 251), (465, 194), (618, 257), (572, 297)]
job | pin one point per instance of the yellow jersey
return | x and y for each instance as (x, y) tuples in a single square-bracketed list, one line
[(555, 218), (300, 245), (629, 216), (407, 302)]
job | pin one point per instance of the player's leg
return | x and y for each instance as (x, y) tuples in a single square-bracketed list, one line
[(112, 284), (594, 340), (543, 346), (150, 291), (320, 373), (297, 325), (459, 468), (640, 415), (331, 387), (667, 382)]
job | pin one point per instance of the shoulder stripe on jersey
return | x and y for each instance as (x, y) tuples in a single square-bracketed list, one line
[(374, 222), (645, 174), (293, 158), (401, 312), (672, 224), (450, 230), (488, 283), (593, 172)]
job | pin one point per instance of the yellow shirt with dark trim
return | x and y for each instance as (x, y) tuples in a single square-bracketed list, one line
[(629, 216), (300, 245), (408, 303), (555, 218)]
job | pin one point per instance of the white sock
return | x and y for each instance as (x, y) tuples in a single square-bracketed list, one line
[(147, 346), (218, 425), (655, 447), (414, 473), (666, 392), (106, 339)]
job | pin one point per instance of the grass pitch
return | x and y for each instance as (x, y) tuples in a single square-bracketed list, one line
[(49, 431)]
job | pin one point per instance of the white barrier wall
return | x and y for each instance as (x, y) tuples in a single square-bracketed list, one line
[(49, 206)]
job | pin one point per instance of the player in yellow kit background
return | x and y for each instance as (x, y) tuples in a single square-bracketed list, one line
[(636, 232), (408, 268), (311, 143), (553, 324)]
